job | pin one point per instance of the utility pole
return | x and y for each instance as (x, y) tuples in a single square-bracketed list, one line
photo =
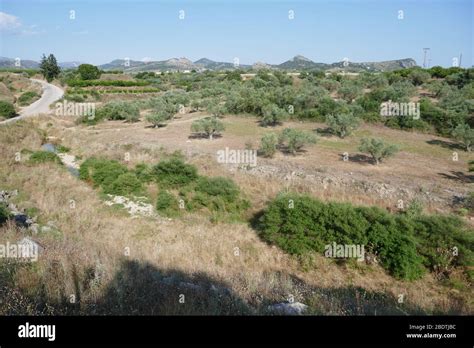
[(425, 50), (460, 59)]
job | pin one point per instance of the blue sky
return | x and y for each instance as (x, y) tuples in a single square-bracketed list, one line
[(324, 31)]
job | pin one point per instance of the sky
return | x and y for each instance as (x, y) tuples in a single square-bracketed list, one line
[(270, 31)]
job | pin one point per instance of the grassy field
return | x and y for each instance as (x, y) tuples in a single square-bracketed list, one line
[(100, 253)]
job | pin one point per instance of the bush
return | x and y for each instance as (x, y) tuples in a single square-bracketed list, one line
[(269, 143), (167, 204), (444, 242), (106, 83), (207, 127), (418, 77), (4, 213), (415, 208), (349, 92), (6, 109), (377, 149), (221, 197), (27, 98), (125, 184), (405, 244), (101, 172), (143, 172), (218, 186), (43, 157), (174, 172), (342, 124), (295, 139), (118, 110)]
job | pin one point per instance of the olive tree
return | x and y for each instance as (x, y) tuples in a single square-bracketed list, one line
[(268, 145), (377, 148), (465, 135), (272, 115), (342, 124), (295, 139), (157, 119), (208, 126)]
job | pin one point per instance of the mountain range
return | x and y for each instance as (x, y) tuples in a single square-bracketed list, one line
[(183, 64)]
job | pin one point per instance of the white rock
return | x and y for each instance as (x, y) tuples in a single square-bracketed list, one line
[(286, 308)]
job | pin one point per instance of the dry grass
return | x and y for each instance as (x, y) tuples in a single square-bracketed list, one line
[(90, 259)]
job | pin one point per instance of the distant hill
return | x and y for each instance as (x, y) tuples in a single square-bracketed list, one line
[(31, 64), (388, 65), (205, 63), (184, 64), (25, 64), (299, 62)]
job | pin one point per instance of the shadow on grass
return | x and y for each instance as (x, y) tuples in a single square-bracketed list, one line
[(446, 144), (139, 288), (458, 176), (360, 158), (203, 136), (324, 132)]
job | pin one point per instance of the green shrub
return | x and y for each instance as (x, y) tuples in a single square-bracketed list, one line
[(444, 241), (125, 184), (167, 204), (27, 98), (116, 83), (269, 143), (218, 186), (415, 208), (143, 172), (118, 110), (406, 244), (62, 149), (6, 109), (301, 224), (174, 172), (43, 157), (4, 213), (101, 172)]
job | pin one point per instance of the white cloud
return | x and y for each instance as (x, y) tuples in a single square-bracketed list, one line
[(8, 22)]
